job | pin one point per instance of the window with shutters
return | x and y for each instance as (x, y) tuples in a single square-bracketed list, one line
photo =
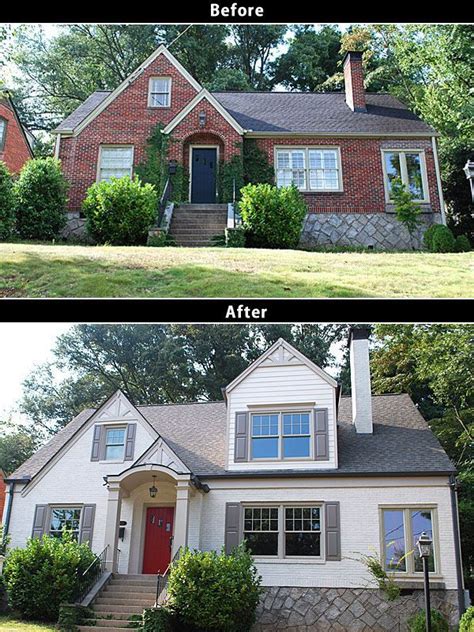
[(282, 436), (65, 519), (115, 444)]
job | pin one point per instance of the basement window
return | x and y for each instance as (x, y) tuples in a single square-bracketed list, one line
[(159, 92)]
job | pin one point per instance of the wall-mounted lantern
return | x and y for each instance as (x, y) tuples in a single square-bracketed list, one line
[(123, 524), (172, 167), (469, 171), (202, 119)]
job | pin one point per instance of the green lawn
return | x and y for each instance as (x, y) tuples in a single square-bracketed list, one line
[(32, 270), (8, 623)]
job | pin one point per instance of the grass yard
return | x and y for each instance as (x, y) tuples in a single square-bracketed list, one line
[(8, 624), (42, 270)]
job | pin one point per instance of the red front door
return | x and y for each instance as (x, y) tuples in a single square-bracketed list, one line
[(158, 539)]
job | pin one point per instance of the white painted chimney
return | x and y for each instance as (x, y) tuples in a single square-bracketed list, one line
[(360, 380)]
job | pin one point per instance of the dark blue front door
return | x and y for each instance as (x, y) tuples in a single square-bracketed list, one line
[(203, 183)]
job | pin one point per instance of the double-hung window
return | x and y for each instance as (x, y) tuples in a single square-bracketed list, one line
[(409, 167), (402, 528), (3, 133), (281, 435), (65, 519), (159, 92), (114, 444), (309, 168), (115, 162), (261, 529)]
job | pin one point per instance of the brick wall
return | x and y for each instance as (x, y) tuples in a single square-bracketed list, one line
[(362, 172), (16, 150), (354, 82)]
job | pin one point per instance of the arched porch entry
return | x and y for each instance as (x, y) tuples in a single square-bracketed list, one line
[(202, 153), (144, 530)]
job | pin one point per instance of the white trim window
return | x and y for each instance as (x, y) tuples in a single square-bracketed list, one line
[(401, 529), (261, 530), (3, 132), (114, 444), (309, 168), (281, 435), (159, 92), (408, 166), (64, 518), (302, 531), (115, 162)]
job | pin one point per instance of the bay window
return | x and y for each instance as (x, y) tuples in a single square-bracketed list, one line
[(309, 168), (402, 528), (115, 162), (409, 167)]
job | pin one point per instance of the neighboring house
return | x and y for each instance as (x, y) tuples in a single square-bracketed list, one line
[(308, 478), (15, 140), (341, 150), (2, 493)]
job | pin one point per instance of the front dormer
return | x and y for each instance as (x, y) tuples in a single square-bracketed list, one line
[(282, 414)]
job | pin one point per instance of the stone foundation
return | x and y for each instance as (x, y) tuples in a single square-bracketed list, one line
[(381, 231), (75, 229), (346, 609)]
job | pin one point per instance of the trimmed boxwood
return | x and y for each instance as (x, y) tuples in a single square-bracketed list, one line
[(462, 244), (7, 203), (466, 624), (443, 239), (121, 211)]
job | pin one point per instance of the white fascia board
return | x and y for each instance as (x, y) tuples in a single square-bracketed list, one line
[(203, 94), (161, 443), (161, 50), (303, 359)]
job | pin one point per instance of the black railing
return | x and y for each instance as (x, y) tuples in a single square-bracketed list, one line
[(92, 573), (162, 580), (165, 198)]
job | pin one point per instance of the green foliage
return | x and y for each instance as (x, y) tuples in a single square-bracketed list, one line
[(417, 623), (453, 154), (7, 203), (214, 592), (235, 237), (407, 211), (229, 172), (16, 445), (428, 236), (4, 542), (120, 211), (160, 240), (257, 169), (44, 574), (71, 615), (158, 620), (443, 239), (229, 79), (272, 217), (462, 244), (384, 580), (40, 193), (466, 624), (180, 185)]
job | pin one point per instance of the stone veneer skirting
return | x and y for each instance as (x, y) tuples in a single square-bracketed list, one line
[(346, 609), (381, 231), (75, 229)]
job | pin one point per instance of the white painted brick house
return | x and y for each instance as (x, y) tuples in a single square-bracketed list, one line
[(308, 478)]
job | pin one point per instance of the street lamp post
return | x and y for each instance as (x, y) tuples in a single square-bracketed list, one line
[(424, 548)]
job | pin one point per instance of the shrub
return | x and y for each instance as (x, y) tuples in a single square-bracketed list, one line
[(235, 237), (47, 572), (121, 211), (462, 244), (407, 211), (417, 623), (428, 236), (158, 620), (272, 217), (466, 624), (40, 193), (443, 239), (228, 173), (256, 168), (214, 592), (7, 203)]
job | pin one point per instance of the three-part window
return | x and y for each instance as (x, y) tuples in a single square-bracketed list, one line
[(309, 168)]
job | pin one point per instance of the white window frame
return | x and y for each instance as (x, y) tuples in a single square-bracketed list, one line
[(111, 146), (307, 149), (115, 427), (404, 172), (281, 436), (59, 507), (150, 83), (3, 136), (408, 533), (281, 553)]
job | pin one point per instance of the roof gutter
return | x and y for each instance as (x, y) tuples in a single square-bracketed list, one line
[(399, 135), (453, 485), (323, 474)]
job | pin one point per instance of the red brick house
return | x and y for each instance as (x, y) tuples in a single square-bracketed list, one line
[(342, 150), (15, 143)]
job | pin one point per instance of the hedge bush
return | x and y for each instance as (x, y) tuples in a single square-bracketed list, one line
[(7, 203), (466, 624), (211, 592), (41, 196), (443, 239), (47, 572), (428, 236), (462, 244), (158, 620), (417, 623), (121, 211), (235, 237), (272, 217)]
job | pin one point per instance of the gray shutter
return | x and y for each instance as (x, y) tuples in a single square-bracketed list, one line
[(130, 442), (241, 437), (232, 526), (87, 524), (96, 441), (333, 532), (321, 432), (39, 521)]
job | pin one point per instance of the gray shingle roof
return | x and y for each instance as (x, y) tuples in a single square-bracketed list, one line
[(401, 442), (298, 112)]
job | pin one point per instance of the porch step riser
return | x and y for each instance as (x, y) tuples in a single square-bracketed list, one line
[(123, 601), (86, 628), (107, 623), (201, 207), (138, 592), (105, 618), (113, 609)]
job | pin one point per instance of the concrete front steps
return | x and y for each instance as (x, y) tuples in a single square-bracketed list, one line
[(196, 224), (122, 599)]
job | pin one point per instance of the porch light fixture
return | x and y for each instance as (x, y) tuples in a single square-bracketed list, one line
[(202, 119), (424, 549), (153, 489)]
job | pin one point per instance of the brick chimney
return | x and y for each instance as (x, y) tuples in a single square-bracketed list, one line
[(361, 391), (354, 81)]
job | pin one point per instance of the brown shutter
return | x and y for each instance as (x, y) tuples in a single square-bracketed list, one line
[(241, 437), (39, 521), (232, 526), (321, 431), (96, 442), (333, 532), (87, 524), (130, 442)]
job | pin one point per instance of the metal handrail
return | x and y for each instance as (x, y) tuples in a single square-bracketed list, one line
[(162, 578), (93, 572), (165, 197)]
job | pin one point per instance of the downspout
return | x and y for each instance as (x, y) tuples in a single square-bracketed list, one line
[(438, 180), (56, 146), (8, 512), (457, 544)]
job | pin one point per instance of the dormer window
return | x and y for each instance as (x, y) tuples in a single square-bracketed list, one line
[(281, 436), (159, 92), (114, 444), (3, 133)]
